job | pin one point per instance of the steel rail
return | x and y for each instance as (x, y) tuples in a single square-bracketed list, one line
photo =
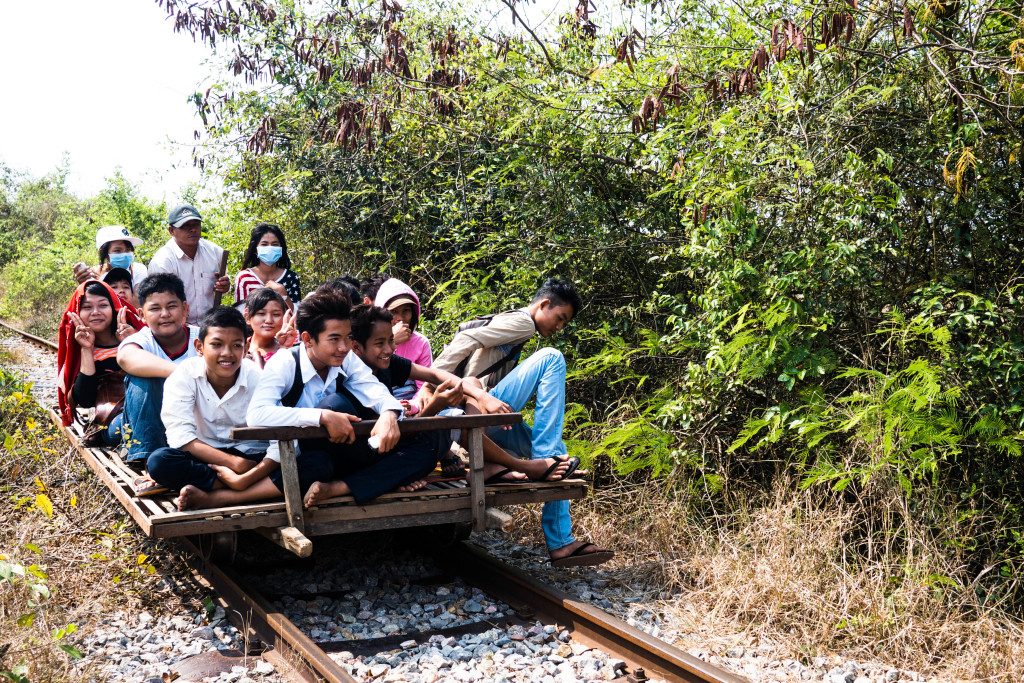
[(31, 337), (587, 623), (648, 656)]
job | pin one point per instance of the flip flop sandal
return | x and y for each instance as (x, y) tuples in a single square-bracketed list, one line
[(580, 558), (452, 466), (146, 487), (496, 479), (574, 462)]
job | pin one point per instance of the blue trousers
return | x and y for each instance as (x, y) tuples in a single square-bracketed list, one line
[(143, 397), (367, 472), (176, 468), (543, 375)]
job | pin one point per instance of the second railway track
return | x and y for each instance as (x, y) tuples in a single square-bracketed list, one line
[(531, 631)]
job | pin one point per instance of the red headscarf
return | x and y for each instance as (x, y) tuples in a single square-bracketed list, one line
[(69, 353)]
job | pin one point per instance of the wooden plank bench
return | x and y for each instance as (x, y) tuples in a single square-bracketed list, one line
[(288, 524)]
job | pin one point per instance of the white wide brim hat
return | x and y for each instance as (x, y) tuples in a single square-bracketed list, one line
[(113, 233)]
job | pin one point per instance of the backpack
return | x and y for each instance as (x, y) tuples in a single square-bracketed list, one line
[(291, 399), (512, 355)]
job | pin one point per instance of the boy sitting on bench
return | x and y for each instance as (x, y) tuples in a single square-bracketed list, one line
[(203, 400), (149, 357), (318, 382), (373, 340), (489, 350)]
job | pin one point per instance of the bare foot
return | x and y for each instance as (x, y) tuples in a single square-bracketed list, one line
[(491, 469), (412, 486), (190, 498), (320, 491), (535, 469)]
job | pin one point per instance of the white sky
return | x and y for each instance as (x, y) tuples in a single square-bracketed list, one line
[(107, 83)]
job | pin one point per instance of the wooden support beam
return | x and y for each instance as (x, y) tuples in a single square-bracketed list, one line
[(412, 425), (289, 538), (290, 479), (477, 492)]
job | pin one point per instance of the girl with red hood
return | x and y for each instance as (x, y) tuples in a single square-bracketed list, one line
[(95, 322)]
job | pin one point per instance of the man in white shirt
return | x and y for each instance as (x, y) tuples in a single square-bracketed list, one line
[(193, 259), (318, 382)]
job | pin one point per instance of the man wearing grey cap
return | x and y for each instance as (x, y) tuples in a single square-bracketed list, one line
[(195, 260)]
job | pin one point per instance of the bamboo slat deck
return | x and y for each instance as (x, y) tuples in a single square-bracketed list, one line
[(441, 502)]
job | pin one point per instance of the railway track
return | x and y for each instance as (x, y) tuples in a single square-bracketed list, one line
[(637, 655)]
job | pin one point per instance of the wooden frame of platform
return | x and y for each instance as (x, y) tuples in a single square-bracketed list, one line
[(288, 524)]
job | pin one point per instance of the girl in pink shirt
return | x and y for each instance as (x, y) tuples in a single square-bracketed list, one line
[(398, 297)]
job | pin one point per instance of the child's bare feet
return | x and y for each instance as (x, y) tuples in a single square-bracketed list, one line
[(321, 491), (412, 486), (190, 498), (494, 473), (227, 475)]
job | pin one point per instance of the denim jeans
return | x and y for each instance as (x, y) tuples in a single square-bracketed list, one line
[(111, 436), (143, 397), (176, 468), (543, 374)]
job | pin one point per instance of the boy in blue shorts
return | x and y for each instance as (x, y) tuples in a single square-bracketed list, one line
[(489, 350)]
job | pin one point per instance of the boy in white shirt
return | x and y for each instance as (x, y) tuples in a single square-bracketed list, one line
[(204, 398), (150, 356)]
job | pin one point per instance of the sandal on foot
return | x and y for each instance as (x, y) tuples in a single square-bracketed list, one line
[(451, 465), (496, 478), (581, 558), (574, 462), (146, 487)]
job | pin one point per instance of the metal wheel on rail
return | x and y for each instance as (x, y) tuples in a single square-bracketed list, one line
[(220, 547)]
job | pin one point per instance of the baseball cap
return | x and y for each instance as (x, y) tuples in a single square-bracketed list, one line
[(400, 301), (113, 233), (182, 214)]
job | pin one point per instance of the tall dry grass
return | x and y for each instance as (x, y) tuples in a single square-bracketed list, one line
[(806, 574)]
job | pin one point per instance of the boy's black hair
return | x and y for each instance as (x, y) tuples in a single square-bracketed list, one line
[(158, 284), (259, 298), (316, 309), (343, 285), (96, 289), (561, 292), (226, 317), (105, 249), (371, 285), (364, 317), (250, 258), (116, 275)]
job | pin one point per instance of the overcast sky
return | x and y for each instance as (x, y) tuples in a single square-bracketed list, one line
[(108, 84)]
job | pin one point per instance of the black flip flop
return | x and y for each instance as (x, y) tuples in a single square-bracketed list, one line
[(579, 558), (574, 462), (497, 478)]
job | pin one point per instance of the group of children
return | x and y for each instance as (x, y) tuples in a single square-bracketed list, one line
[(349, 351)]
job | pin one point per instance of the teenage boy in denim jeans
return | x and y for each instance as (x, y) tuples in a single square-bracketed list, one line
[(491, 353), (149, 357)]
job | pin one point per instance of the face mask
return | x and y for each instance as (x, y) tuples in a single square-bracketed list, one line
[(269, 255), (122, 260)]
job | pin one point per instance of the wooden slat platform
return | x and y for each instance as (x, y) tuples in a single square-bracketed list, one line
[(440, 502)]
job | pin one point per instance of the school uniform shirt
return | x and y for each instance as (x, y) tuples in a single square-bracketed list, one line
[(192, 409), (487, 345), (199, 274), (145, 340), (265, 409)]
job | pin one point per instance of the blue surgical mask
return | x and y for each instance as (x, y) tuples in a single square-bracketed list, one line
[(269, 255), (122, 260)]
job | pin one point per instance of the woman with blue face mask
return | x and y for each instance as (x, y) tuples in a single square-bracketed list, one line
[(117, 250), (266, 264)]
